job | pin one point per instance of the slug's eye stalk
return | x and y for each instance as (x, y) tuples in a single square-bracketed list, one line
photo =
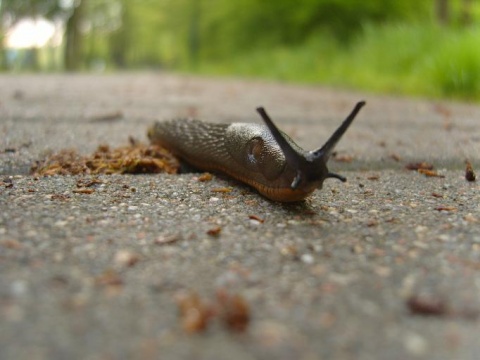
[(327, 149), (310, 166)]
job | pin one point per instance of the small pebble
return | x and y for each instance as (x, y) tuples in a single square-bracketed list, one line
[(126, 258), (415, 344), (307, 258)]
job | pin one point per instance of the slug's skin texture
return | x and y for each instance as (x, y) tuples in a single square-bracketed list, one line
[(258, 162), (249, 153)]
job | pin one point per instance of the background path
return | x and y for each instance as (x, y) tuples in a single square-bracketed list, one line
[(386, 265)]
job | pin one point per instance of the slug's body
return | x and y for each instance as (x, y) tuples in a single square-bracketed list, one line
[(260, 156)]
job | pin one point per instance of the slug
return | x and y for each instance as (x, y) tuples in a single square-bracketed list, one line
[(261, 156)]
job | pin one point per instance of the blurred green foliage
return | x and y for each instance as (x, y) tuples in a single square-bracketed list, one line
[(427, 47)]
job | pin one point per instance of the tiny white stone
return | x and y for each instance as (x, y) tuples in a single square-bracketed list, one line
[(307, 258), (444, 237), (18, 287), (415, 344)]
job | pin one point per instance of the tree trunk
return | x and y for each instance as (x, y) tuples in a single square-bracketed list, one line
[(121, 41), (194, 33), (466, 14), (442, 11), (73, 39)]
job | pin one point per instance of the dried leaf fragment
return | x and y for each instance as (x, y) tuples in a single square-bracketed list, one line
[(126, 258), (84, 191), (343, 158), (256, 218), (135, 158), (197, 314), (166, 239), (109, 278), (11, 244), (419, 166), (215, 231), (108, 117), (85, 183), (234, 311), (194, 313), (430, 173), (205, 177), (469, 173), (446, 208), (427, 306), (7, 182), (222, 190), (395, 157)]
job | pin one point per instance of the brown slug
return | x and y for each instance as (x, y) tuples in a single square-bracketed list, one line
[(260, 156)]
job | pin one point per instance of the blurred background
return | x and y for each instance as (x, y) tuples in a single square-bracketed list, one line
[(417, 47)]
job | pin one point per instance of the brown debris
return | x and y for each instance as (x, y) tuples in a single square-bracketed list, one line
[(109, 117), (11, 244), (430, 173), (84, 191), (205, 177), (7, 182), (343, 158), (194, 313), (395, 157), (60, 197), (166, 239), (442, 110), (126, 258), (446, 208), (222, 190), (290, 251), (234, 311), (215, 231), (424, 305), (109, 278), (424, 168), (469, 173), (419, 166), (85, 183), (131, 159), (427, 306), (256, 218)]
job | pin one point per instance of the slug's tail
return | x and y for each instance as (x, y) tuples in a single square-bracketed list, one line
[(310, 166)]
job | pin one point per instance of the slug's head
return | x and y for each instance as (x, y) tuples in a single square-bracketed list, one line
[(310, 167)]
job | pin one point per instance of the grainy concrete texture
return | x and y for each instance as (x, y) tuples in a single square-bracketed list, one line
[(385, 266)]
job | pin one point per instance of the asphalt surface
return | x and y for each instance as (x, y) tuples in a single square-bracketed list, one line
[(385, 266)]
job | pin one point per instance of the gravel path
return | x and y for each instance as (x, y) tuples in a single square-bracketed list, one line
[(385, 266)]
